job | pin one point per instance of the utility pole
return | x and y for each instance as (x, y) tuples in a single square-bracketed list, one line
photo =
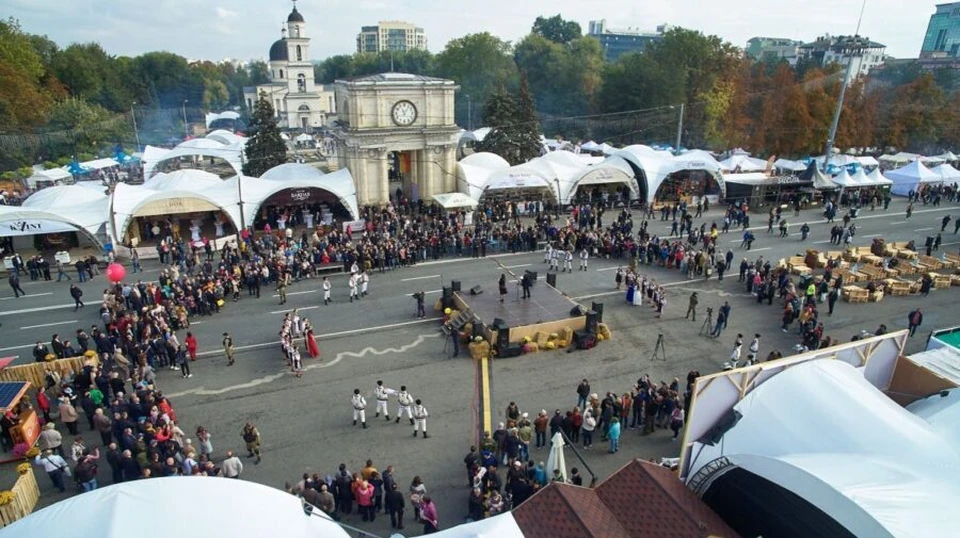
[(679, 129), (183, 108), (853, 48), (136, 131)]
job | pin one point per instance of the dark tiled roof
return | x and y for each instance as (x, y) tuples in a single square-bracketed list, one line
[(565, 511), (649, 500), (641, 500)]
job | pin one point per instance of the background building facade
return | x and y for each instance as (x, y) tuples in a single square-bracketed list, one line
[(773, 49), (618, 41), (943, 33), (828, 49), (391, 36), (298, 101)]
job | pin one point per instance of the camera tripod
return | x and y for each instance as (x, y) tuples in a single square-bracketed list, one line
[(707, 323), (659, 351)]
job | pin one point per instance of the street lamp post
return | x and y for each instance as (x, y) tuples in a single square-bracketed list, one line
[(852, 48), (183, 108), (679, 128), (136, 131)]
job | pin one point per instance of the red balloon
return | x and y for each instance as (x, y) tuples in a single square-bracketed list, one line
[(116, 272)]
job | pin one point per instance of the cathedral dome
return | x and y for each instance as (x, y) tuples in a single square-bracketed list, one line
[(295, 16), (278, 51)]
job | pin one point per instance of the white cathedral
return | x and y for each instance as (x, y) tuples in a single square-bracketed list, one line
[(299, 102)]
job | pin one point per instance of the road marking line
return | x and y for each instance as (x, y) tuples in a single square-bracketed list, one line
[(48, 324), (821, 242), (295, 308), (899, 222), (419, 278), (760, 249), (37, 309), (607, 269), (324, 336), (872, 235), (31, 295), (923, 229), (297, 292), (16, 347), (517, 266)]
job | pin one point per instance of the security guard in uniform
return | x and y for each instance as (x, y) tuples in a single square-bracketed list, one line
[(282, 279)]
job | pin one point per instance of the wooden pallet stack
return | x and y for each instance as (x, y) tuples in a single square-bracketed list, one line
[(896, 288), (798, 266), (940, 281), (854, 294)]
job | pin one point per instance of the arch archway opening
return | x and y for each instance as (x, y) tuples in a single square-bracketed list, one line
[(308, 207), (688, 186)]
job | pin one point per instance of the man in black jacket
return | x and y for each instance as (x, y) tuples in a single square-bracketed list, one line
[(395, 505), (14, 280), (76, 293), (40, 352)]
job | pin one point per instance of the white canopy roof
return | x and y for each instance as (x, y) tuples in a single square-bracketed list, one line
[(192, 190), (860, 178), (474, 170), (499, 526), (226, 115), (946, 172), (786, 164), (909, 177), (747, 178), (613, 169), (844, 180), (949, 156), (225, 137), (877, 178), (301, 176), (54, 175), (868, 161), (590, 146), (231, 508), (99, 164), (847, 449), (744, 163), (206, 147), (901, 157), (63, 208)]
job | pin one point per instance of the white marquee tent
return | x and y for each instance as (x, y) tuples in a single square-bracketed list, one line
[(790, 166), (744, 163), (874, 468), (215, 147), (946, 172), (613, 169), (300, 176), (877, 178), (455, 200), (54, 176), (908, 178), (230, 508), (474, 170), (64, 208), (225, 115)]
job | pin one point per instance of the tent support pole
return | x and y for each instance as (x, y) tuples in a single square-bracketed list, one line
[(572, 445)]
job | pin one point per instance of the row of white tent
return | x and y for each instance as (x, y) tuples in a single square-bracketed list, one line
[(220, 144), (88, 209)]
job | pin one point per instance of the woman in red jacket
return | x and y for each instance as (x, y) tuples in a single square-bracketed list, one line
[(191, 342)]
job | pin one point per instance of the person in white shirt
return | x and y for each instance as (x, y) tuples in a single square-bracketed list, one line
[(420, 418), (364, 282), (55, 467), (404, 401), (353, 287), (232, 466), (554, 259), (568, 261), (382, 395), (754, 350), (359, 408), (326, 291), (548, 253), (583, 258)]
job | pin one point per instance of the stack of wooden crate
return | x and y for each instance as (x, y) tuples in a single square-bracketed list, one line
[(854, 294)]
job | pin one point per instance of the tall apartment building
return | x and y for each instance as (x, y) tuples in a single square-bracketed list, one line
[(391, 35), (828, 49), (942, 39), (772, 49), (618, 41)]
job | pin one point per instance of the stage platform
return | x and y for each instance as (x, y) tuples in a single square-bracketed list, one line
[(546, 310)]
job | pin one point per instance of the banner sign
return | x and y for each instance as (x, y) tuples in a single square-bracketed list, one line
[(33, 227), (354, 226)]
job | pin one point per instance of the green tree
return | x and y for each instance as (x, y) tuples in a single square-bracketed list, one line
[(564, 78), (557, 29), (527, 129), (24, 99), (265, 148), (501, 113), (479, 63)]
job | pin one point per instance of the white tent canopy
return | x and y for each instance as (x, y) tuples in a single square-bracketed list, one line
[(792, 166), (868, 161), (613, 169), (474, 170), (226, 115), (949, 156), (300, 176), (64, 208), (231, 508), (875, 468), (908, 178), (743, 163), (590, 146), (877, 178), (946, 172), (182, 191), (200, 147), (499, 526), (53, 175)]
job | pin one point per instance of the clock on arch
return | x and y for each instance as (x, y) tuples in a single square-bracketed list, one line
[(403, 113)]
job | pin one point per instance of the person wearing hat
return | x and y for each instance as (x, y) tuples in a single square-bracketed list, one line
[(692, 308), (50, 439), (359, 404), (251, 436), (525, 434), (228, 348)]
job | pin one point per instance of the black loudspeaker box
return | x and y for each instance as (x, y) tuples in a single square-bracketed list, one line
[(498, 323), (576, 311), (583, 339), (552, 279), (455, 285), (447, 293), (598, 308), (591, 322), (478, 330), (512, 350), (531, 277), (476, 290), (503, 338)]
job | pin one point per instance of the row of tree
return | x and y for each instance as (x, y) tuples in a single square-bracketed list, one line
[(60, 102)]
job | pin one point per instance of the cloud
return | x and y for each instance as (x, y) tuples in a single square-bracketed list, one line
[(224, 13)]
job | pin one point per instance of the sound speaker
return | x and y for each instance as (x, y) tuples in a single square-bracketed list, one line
[(478, 329), (503, 338), (584, 340), (476, 290), (591, 322), (455, 285), (531, 277), (598, 308), (552, 279), (576, 311), (446, 298), (511, 350), (498, 324)]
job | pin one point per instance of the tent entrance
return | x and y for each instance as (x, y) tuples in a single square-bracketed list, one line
[(301, 206)]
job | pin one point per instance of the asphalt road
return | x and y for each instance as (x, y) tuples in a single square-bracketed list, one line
[(306, 423)]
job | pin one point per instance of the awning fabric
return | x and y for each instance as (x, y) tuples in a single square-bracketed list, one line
[(455, 200)]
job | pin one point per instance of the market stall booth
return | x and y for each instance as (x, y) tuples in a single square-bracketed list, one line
[(761, 191), (298, 194), (15, 404), (57, 219), (688, 177), (910, 177), (611, 178)]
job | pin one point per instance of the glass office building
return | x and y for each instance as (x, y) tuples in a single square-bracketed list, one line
[(943, 32)]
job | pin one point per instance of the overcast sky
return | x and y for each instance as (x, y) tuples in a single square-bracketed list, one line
[(244, 29)]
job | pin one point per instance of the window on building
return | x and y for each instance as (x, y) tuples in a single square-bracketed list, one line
[(299, 54), (281, 73), (302, 83)]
